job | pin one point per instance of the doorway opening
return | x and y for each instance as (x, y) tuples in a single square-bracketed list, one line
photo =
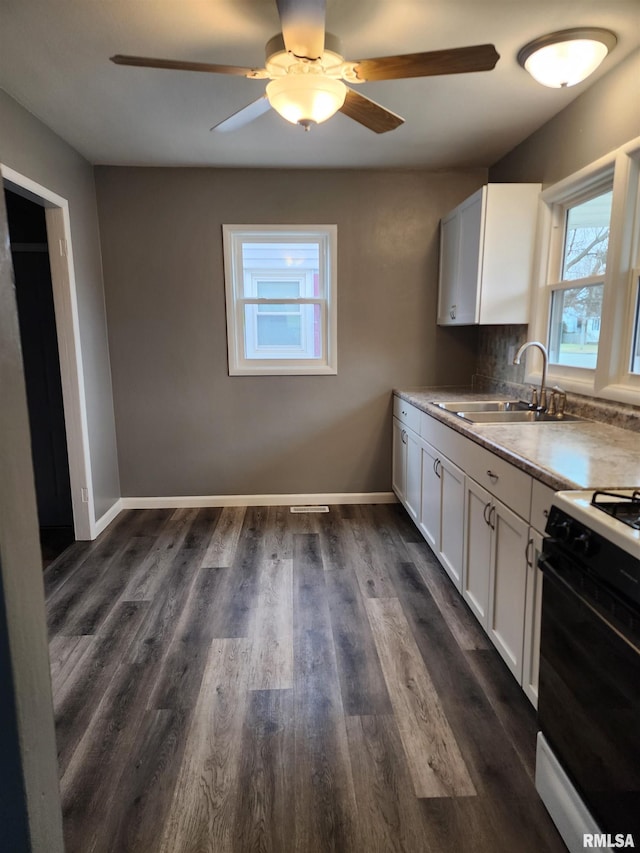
[(38, 337)]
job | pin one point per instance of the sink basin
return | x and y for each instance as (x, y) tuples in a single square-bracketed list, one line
[(483, 406), (525, 416), (502, 412)]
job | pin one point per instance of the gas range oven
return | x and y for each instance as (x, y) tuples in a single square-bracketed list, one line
[(588, 752)]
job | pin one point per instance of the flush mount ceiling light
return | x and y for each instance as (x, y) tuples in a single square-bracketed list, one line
[(567, 57)]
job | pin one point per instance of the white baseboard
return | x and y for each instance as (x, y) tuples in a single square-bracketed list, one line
[(258, 500), (105, 520)]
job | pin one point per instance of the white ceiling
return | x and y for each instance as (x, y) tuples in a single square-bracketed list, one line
[(54, 59)]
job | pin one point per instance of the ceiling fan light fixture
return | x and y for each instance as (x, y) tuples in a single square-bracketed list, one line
[(306, 99), (567, 57)]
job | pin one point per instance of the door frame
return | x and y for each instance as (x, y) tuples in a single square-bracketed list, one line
[(69, 345)]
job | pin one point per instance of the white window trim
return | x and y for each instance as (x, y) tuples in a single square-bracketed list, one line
[(611, 379), (239, 365)]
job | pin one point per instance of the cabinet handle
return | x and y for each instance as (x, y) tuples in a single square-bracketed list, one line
[(492, 515), (403, 436), (452, 312), (484, 514), (493, 477), (437, 465), (545, 512), (528, 553)]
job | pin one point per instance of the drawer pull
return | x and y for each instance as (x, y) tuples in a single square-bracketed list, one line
[(493, 477)]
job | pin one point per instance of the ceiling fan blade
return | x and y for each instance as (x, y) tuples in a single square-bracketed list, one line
[(302, 24), (367, 112), (244, 116), (178, 65), (456, 60)]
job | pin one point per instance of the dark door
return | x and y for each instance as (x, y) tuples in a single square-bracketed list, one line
[(34, 294)]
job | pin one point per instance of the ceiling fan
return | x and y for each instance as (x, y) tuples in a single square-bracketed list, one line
[(307, 72)]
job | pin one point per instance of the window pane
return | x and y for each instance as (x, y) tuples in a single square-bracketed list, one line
[(587, 238), (635, 349), (278, 289), (287, 259), (575, 326), (281, 334), (279, 331)]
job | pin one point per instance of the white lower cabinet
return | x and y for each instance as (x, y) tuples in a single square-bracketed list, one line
[(532, 614), (495, 571), (508, 583), (413, 493), (452, 519), (406, 472), (442, 510), (477, 550), (431, 497), (489, 551)]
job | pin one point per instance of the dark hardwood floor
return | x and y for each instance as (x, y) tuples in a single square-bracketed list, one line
[(247, 679)]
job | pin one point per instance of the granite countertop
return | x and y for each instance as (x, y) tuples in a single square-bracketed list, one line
[(564, 455)]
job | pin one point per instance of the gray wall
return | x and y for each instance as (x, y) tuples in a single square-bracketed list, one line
[(606, 116), (30, 148), (184, 427)]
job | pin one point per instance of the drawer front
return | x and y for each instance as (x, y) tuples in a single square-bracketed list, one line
[(447, 441), (407, 414), (541, 497), (503, 480)]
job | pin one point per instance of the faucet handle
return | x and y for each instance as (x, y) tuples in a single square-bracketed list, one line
[(534, 398), (561, 398)]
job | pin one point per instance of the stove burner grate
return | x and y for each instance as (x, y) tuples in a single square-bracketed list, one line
[(625, 508)]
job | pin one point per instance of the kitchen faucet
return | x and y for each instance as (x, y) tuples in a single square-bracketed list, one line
[(541, 404)]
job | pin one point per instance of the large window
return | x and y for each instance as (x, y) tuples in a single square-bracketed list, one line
[(586, 305), (281, 298)]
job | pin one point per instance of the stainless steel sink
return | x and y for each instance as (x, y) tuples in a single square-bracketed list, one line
[(502, 412), (483, 406), (517, 417)]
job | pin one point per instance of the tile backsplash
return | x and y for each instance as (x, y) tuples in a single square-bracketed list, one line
[(495, 371)]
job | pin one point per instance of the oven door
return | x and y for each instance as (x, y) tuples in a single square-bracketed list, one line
[(589, 691)]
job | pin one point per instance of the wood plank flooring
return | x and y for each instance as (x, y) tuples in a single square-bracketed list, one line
[(247, 679)]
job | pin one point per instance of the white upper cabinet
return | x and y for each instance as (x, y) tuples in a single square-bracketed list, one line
[(486, 255)]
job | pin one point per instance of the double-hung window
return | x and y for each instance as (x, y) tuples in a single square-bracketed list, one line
[(586, 304), (281, 299)]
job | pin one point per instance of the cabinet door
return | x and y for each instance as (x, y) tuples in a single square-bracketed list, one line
[(449, 241), (509, 536), (399, 465), (452, 519), (533, 609), (469, 259), (477, 551), (414, 474), (431, 497)]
